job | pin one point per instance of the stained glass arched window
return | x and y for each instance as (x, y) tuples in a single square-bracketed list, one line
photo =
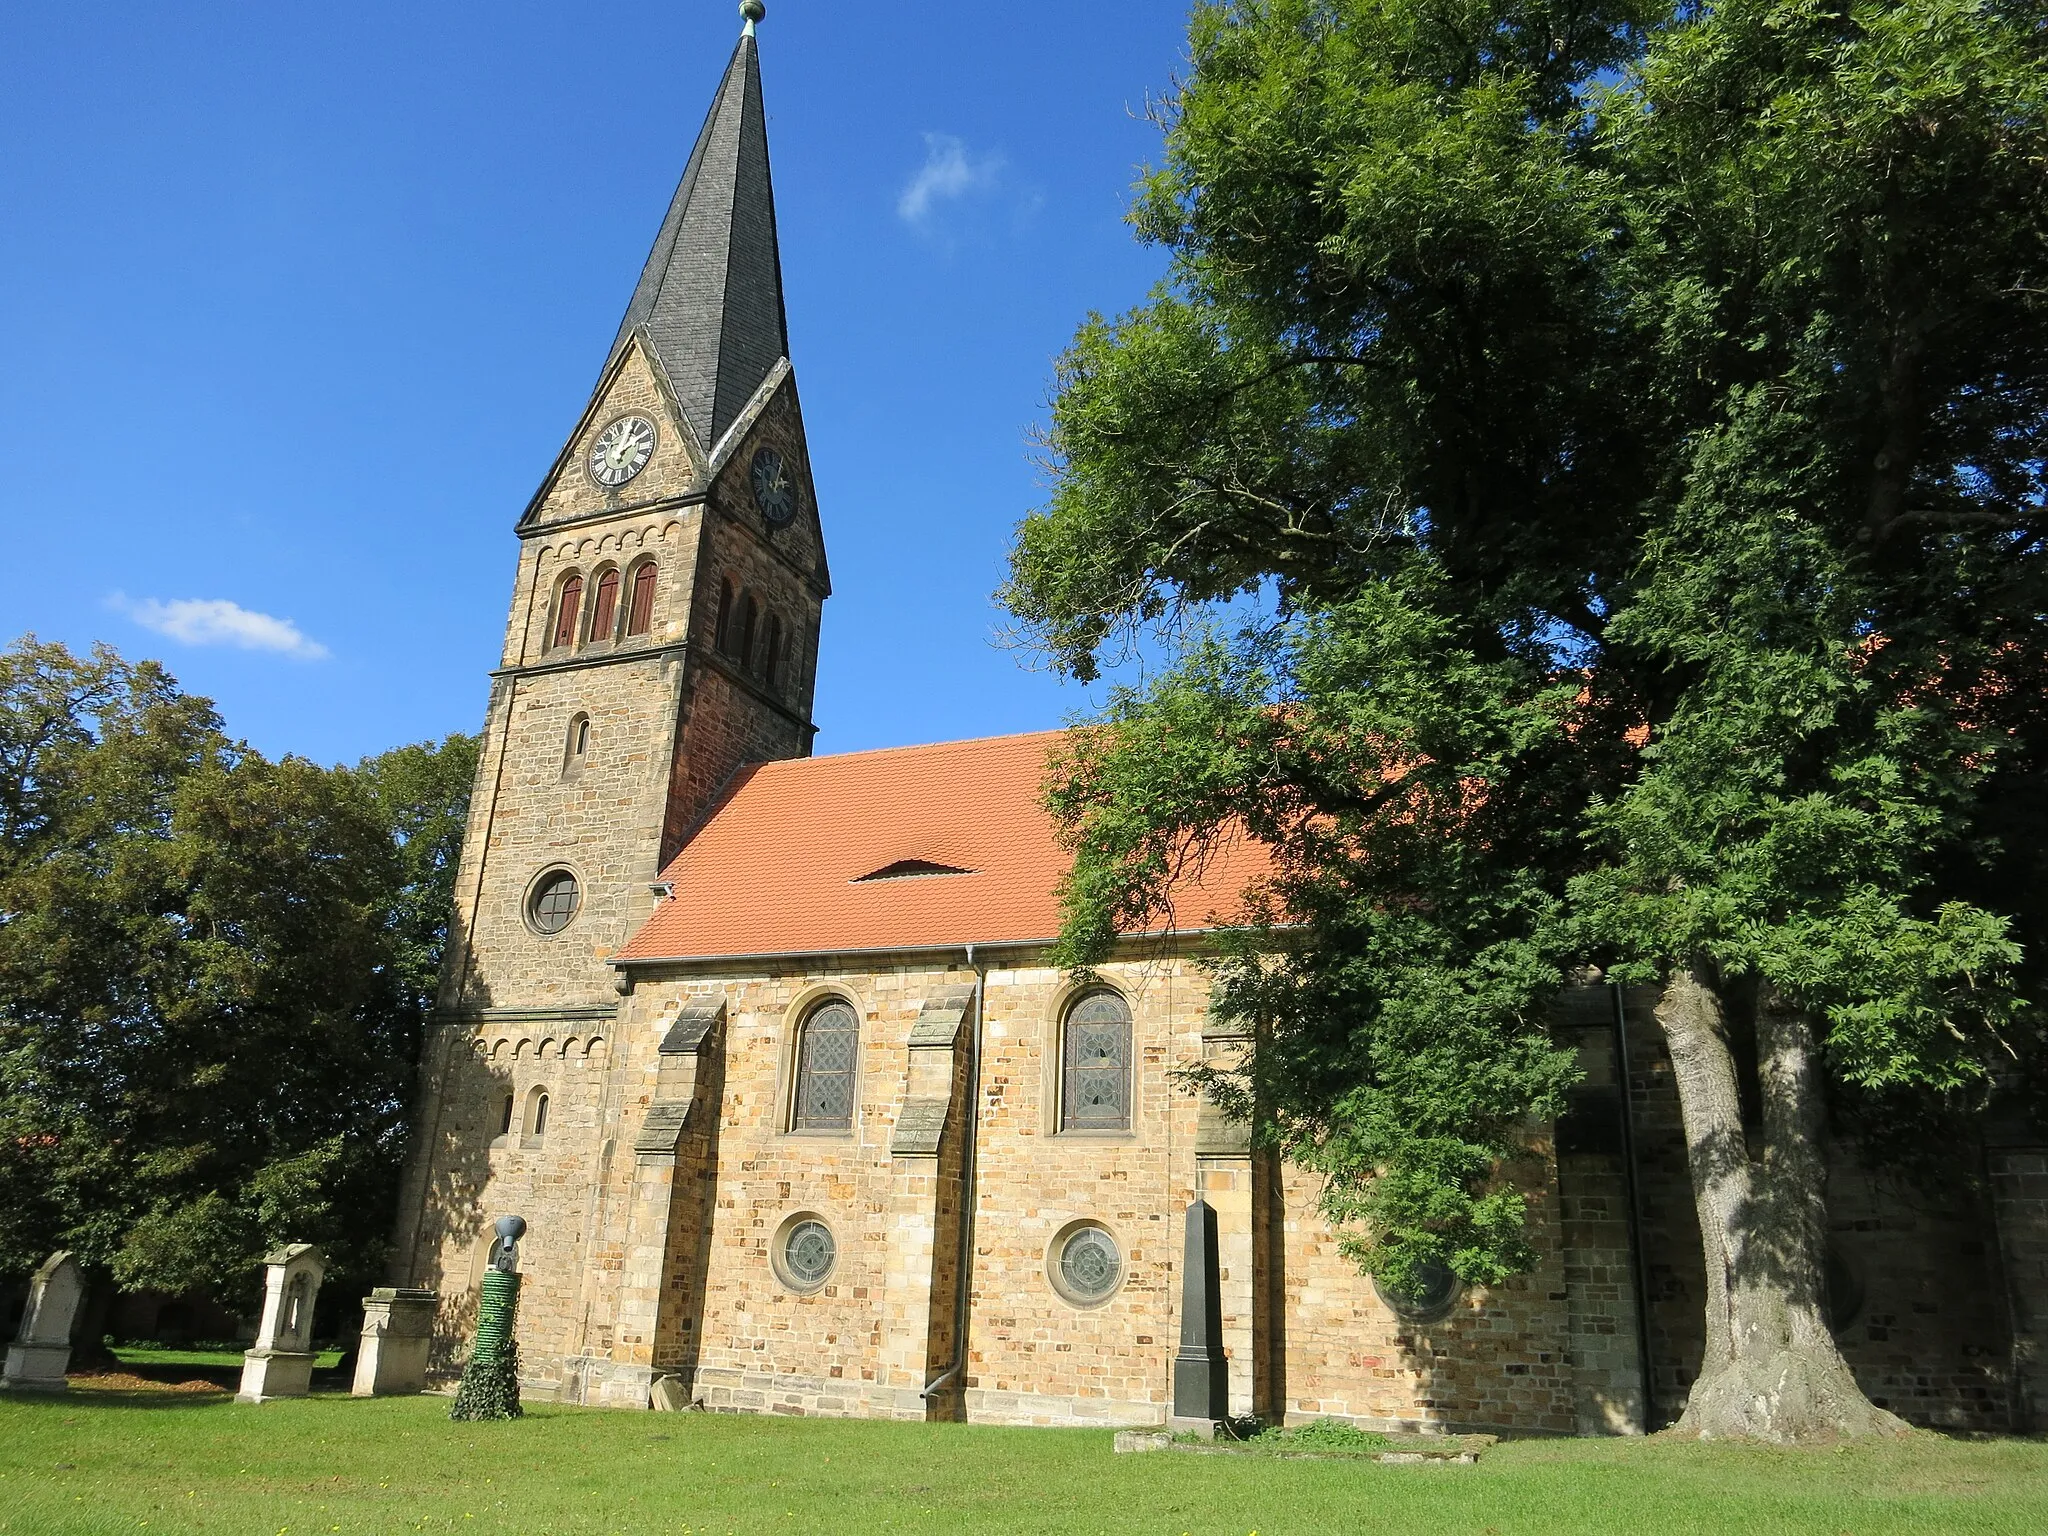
[(825, 1052), (1095, 1064), (640, 612), (604, 606), (568, 608)]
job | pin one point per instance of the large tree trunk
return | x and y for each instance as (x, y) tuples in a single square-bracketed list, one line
[(1771, 1370)]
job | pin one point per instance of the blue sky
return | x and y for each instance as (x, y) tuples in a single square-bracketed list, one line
[(297, 304)]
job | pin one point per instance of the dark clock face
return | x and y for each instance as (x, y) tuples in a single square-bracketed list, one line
[(774, 487)]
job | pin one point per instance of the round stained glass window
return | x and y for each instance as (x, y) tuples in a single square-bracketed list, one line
[(1087, 1266), (807, 1254), (1435, 1291), (555, 901)]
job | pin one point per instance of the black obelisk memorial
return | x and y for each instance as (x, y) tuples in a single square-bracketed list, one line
[(1201, 1376)]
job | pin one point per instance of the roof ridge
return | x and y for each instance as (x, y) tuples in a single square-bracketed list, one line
[(920, 746)]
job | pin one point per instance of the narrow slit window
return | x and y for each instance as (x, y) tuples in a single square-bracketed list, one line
[(640, 614), (825, 1053), (604, 606), (505, 1126), (1096, 1065), (568, 607)]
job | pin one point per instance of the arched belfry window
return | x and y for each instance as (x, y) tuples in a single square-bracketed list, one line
[(1095, 1064), (604, 606), (640, 611), (826, 1047), (722, 640), (743, 631), (771, 660), (568, 608)]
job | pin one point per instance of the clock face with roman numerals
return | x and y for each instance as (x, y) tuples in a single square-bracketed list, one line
[(774, 487), (622, 451)]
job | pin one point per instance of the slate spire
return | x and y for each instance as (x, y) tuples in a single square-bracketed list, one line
[(709, 301)]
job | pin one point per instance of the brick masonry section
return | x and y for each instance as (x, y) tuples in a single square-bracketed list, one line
[(660, 1193)]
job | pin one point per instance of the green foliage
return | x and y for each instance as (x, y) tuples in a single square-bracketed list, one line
[(1327, 1436), (420, 794), (1624, 426), (489, 1388), (207, 1024)]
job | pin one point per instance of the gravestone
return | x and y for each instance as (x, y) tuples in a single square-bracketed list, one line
[(1201, 1371), (281, 1364), (398, 1327), (42, 1349)]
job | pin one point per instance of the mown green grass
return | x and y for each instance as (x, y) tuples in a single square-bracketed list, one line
[(102, 1463)]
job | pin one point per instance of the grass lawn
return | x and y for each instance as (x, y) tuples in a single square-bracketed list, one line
[(106, 1462)]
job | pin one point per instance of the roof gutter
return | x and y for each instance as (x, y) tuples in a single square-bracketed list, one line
[(624, 962)]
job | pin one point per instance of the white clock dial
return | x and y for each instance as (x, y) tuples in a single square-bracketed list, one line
[(622, 450)]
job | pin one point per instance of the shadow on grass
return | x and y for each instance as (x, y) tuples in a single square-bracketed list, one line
[(114, 1397)]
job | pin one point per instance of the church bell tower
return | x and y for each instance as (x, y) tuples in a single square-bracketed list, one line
[(665, 614), (663, 633)]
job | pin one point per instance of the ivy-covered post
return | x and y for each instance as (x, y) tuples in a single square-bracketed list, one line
[(490, 1382)]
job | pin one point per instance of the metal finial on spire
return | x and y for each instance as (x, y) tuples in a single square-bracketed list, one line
[(754, 11)]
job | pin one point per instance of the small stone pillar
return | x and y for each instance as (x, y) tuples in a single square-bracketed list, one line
[(1201, 1374), (281, 1364), (42, 1349), (398, 1326)]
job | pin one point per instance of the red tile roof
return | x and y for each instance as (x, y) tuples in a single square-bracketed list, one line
[(780, 867)]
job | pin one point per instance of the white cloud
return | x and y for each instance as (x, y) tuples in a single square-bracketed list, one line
[(949, 172), (216, 621)]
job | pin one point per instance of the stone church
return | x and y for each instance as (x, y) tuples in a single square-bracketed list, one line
[(765, 1048)]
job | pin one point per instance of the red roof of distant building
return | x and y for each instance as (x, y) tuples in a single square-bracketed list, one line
[(830, 855)]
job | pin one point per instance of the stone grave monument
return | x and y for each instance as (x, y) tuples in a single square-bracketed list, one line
[(1201, 1372), (42, 1349), (281, 1364), (398, 1326)]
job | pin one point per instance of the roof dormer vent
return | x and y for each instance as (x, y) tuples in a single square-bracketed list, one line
[(910, 869)]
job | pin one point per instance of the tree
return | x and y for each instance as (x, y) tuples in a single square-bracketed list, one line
[(209, 997), (420, 794), (1627, 420)]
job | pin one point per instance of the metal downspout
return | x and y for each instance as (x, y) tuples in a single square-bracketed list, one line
[(968, 1198)]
